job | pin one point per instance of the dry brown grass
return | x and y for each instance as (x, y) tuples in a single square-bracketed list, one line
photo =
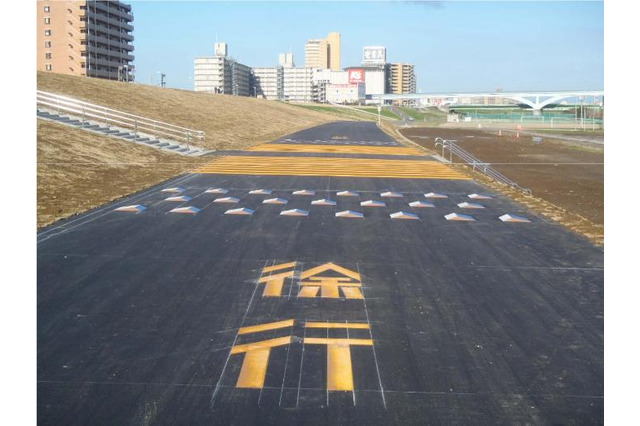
[(79, 170), (230, 122)]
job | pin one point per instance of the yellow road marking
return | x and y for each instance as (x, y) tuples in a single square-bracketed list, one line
[(280, 266), (309, 291), (352, 293), (264, 327), (338, 167), (330, 266), (316, 324), (343, 342), (340, 149), (274, 285), (254, 369), (339, 368)]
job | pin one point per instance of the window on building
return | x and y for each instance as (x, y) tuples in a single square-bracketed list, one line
[(47, 44), (47, 21), (47, 55), (47, 32), (47, 9), (48, 67)]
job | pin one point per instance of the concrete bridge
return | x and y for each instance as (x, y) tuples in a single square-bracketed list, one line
[(536, 100)]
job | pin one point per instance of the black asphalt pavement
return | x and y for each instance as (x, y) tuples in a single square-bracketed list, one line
[(481, 322)]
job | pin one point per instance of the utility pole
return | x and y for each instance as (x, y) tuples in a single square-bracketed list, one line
[(162, 76)]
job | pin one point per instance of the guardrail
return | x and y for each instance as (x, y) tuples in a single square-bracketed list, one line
[(112, 117), (477, 164)]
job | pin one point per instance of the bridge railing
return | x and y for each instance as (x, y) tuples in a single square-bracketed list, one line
[(112, 117), (477, 164)]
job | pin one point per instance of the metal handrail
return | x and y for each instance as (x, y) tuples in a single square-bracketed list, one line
[(478, 164), (121, 118)]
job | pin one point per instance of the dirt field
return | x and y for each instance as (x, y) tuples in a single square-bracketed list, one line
[(78, 170), (563, 174)]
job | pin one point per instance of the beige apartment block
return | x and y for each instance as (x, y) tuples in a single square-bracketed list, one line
[(89, 38), (323, 53), (401, 78)]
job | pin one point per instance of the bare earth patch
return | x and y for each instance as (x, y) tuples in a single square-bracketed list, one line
[(567, 180)]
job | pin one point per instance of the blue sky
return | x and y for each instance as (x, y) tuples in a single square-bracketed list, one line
[(455, 45)]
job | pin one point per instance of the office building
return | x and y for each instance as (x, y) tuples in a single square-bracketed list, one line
[(324, 53), (89, 38)]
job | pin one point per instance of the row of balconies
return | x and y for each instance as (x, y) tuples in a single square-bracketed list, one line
[(108, 20), (104, 62), (98, 29), (108, 52), (109, 8), (120, 44)]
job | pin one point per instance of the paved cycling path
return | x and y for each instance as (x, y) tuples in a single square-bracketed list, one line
[(180, 312)]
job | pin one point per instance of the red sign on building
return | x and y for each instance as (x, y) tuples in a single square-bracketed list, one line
[(356, 75)]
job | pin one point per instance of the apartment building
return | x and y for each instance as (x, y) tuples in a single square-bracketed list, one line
[(298, 85), (268, 83), (221, 74), (89, 38), (324, 53), (401, 78)]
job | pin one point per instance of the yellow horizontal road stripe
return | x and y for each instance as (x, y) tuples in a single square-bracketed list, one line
[(339, 149), (261, 345), (339, 342), (311, 324), (338, 167), (280, 266), (266, 327)]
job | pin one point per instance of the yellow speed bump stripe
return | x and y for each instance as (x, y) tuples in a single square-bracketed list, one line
[(338, 167), (336, 149)]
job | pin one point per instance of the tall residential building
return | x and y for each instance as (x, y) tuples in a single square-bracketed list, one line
[(90, 38), (401, 78), (221, 74), (323, 53)]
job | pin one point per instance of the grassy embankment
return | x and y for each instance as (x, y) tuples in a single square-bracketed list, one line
[(78, 170)]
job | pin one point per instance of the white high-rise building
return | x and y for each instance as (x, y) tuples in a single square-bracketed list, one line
[(286, 60), (221, 74)]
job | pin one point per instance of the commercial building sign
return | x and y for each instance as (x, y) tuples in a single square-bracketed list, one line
[(374, 55), (356, 75)]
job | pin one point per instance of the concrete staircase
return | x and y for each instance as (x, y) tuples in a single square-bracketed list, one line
[(121, 133)]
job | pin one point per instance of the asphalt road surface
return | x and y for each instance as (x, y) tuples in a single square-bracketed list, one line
[(158, 317)]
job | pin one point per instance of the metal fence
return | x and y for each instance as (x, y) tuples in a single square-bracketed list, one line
[(111, 117), (477, 164)]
